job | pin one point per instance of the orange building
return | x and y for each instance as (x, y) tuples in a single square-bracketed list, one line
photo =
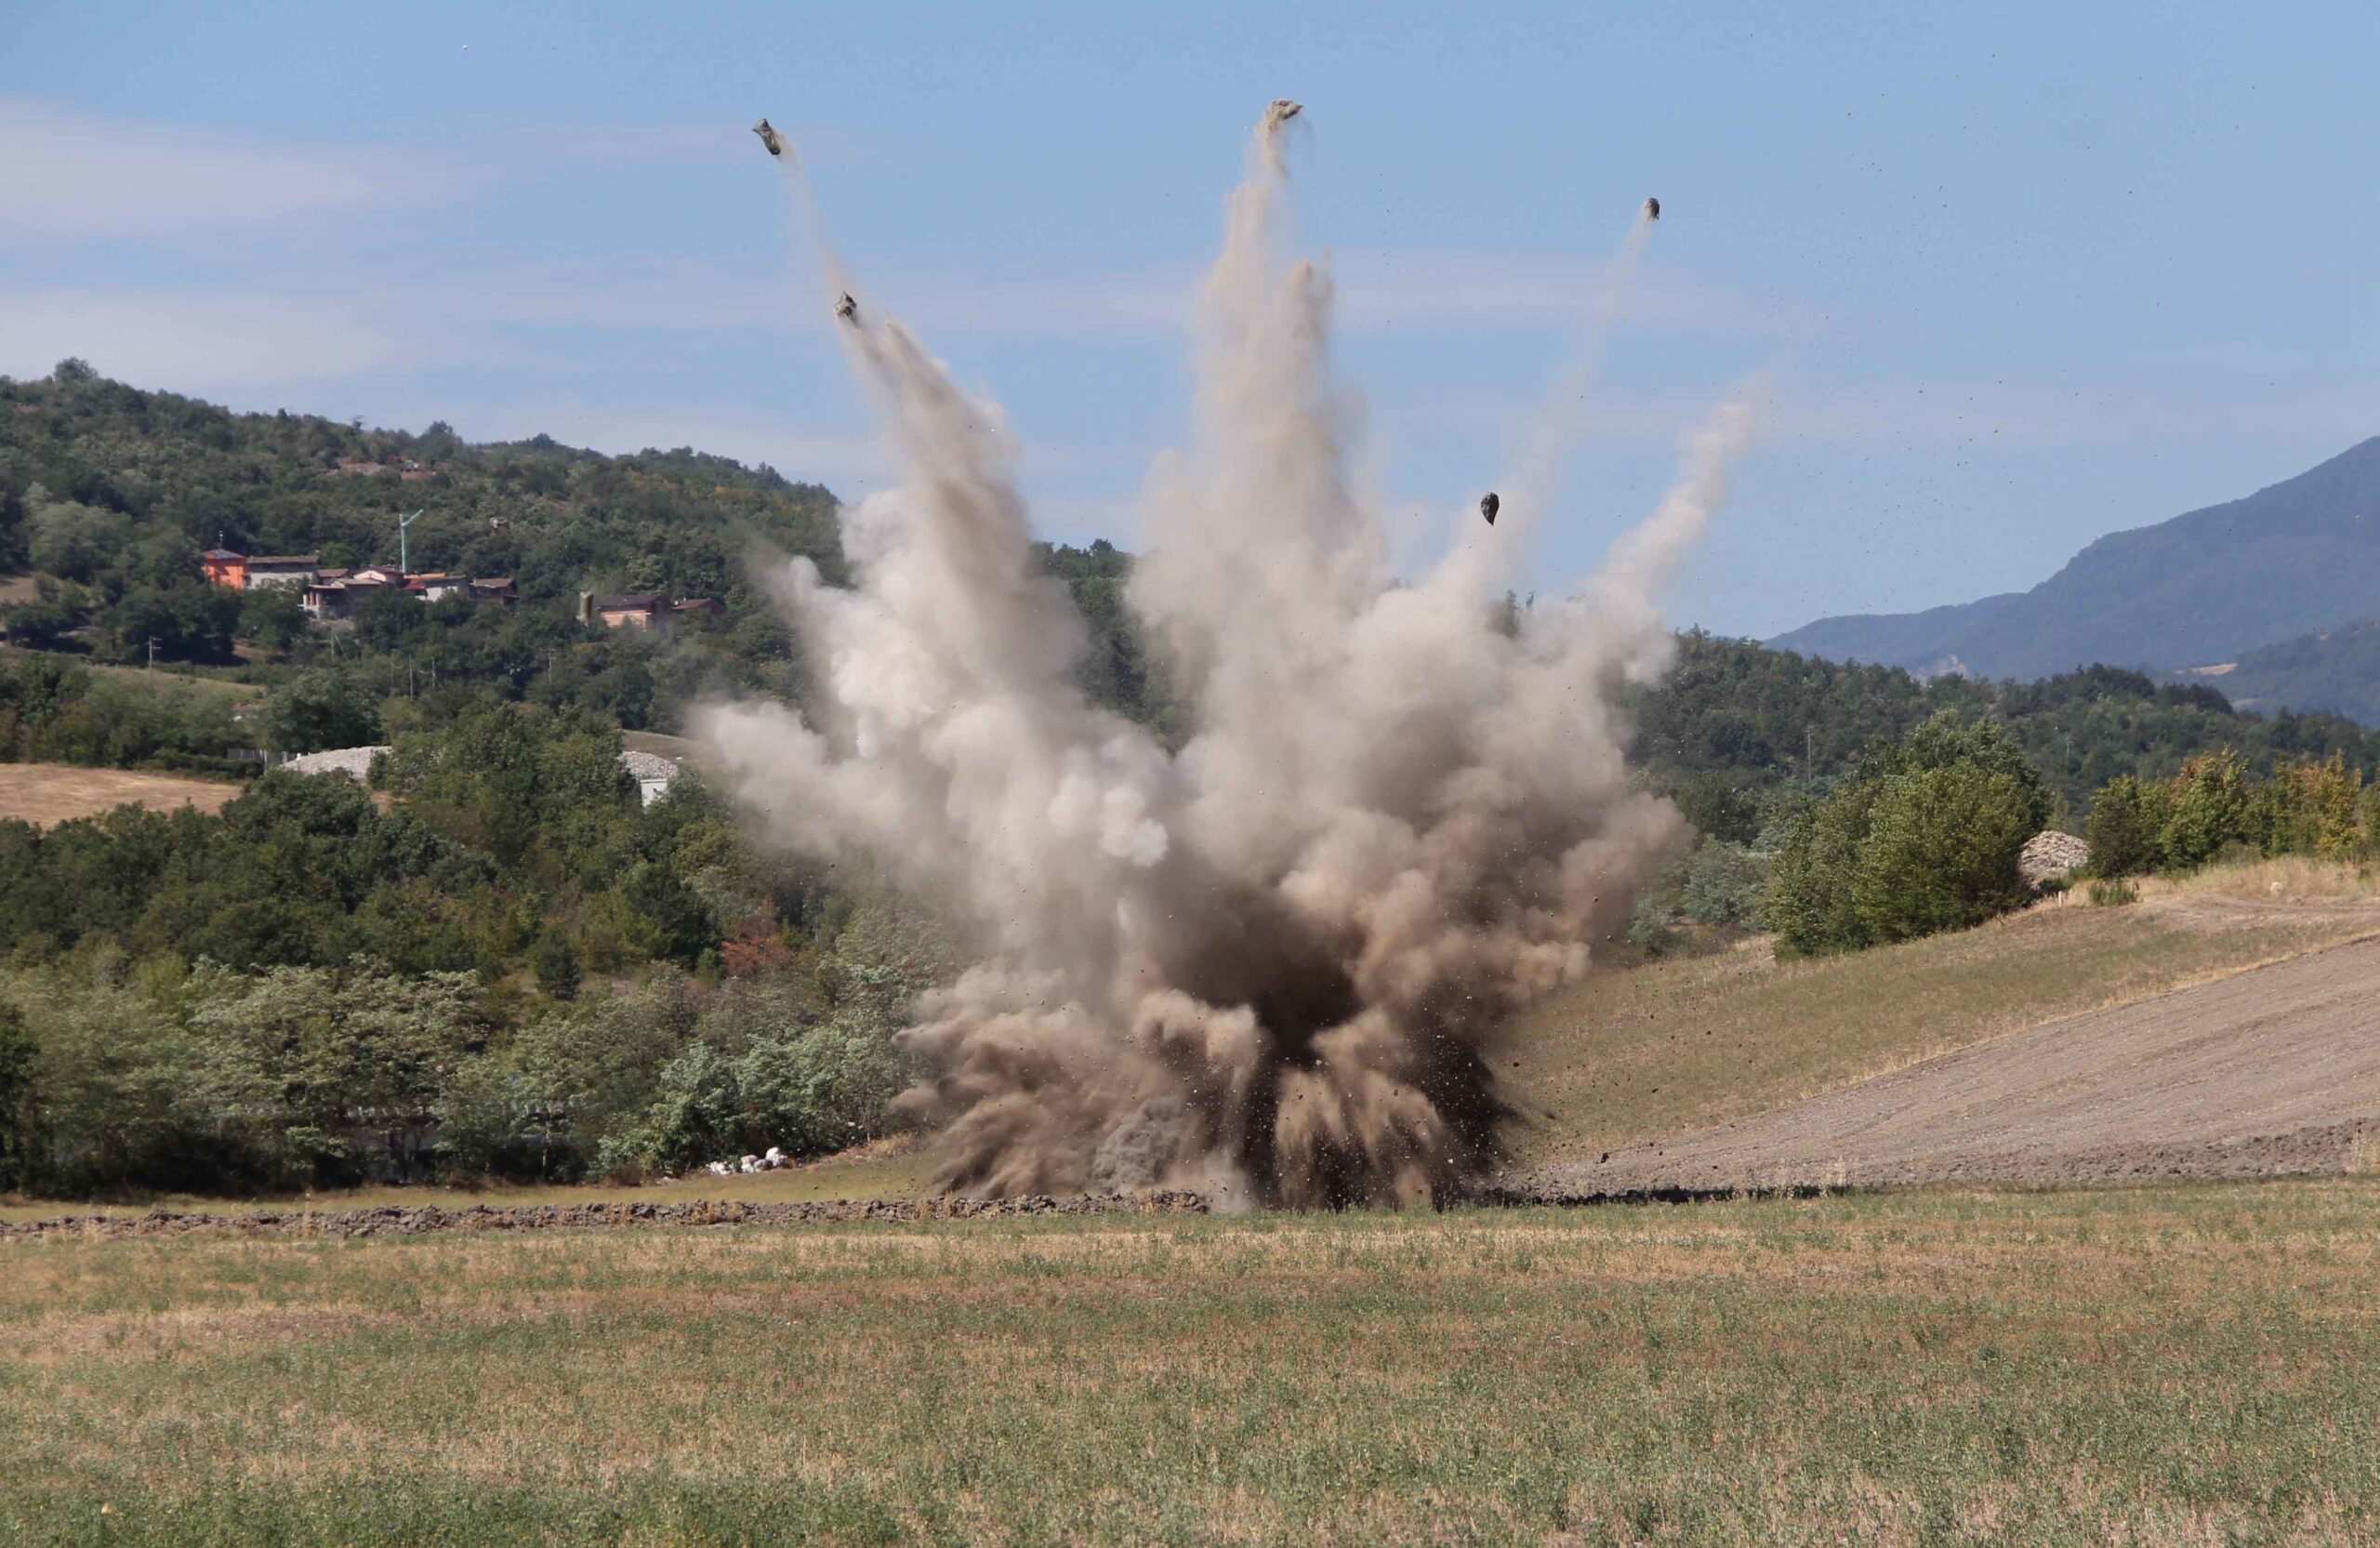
[(225, 568)]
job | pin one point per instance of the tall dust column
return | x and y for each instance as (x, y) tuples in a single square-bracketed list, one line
[(1268, 964)]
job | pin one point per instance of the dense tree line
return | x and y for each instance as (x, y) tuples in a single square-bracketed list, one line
[(513, 967), (2215, 805), (55, 709)]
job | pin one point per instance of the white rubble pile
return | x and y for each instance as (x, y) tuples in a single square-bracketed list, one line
[(2050, 855), (775, 1160)]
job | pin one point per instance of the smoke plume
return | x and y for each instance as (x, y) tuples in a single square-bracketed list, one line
[(1270, 964)]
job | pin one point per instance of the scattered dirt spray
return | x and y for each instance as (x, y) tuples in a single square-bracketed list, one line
[(1268, 964)]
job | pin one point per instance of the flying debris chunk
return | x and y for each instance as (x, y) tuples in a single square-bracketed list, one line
[(847, 308), (1489, 505), (770, 137), (1281, 111), (1652, 209)]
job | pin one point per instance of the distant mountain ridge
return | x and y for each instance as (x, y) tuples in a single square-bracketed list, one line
[(2211, 585)]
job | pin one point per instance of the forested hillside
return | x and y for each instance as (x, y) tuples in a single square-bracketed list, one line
[(108, 494), (1737, 717), (2334, 669)]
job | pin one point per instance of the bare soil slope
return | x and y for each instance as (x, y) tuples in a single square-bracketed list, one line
[(46, 794), (2271, 1071)]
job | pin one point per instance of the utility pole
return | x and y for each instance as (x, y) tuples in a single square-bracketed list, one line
[(403, 565), (152, 653)]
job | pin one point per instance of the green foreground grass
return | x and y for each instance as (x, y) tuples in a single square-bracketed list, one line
[(2182, 1365)]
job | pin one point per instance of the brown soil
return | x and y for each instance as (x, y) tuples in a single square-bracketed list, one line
[(46, 794), (2270, 1072), (398, 1220)]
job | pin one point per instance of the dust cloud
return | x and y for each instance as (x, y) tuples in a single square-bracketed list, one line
[(1268, 964)]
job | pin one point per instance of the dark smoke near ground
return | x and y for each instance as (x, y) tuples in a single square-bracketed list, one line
[(1268, 965)]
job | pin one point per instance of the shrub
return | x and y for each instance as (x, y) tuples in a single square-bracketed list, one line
[(16, 1051), (1941, 852), (2127, 829), (2208, 808), (2110, 892), (1924, 836)]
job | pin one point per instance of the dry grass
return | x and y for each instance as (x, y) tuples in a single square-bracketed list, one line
[(2292, 882), (686, 747), (1630, 1057), (46, 794), (2179, 1365)]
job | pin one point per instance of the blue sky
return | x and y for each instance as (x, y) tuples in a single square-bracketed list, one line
[(2020, 274)]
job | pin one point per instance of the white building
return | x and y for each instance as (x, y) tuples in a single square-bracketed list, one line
[(652, 772)]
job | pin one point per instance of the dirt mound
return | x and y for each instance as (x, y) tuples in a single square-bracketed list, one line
[(393, 1220), (2270, 1072)]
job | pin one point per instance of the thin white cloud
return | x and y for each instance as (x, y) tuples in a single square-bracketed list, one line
[(201, 341), (64, 172), (68, 174)]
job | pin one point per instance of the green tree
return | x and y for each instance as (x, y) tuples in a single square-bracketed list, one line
[(319, 709), (273, 618), (556, 962), (1923, 837), (1940, 851), (2127, 829), (17, 1126), (2206, 808)]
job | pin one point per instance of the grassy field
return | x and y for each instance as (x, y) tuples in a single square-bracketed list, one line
[(2179, 1365), (160, 680), (1625, 1056), (881, 1171), (46, 794)]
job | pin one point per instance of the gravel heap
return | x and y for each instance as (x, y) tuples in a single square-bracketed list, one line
[(394, 1219), (354, 762), (2050, 855)]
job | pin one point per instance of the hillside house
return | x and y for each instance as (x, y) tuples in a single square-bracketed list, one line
[(651, 611), (280, 571), (495, 588), (225, 568), (327, 598), (436, 584), (699, 608), (652, 773)]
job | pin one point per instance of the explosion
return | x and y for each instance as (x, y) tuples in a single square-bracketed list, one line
[(1269, 964)]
